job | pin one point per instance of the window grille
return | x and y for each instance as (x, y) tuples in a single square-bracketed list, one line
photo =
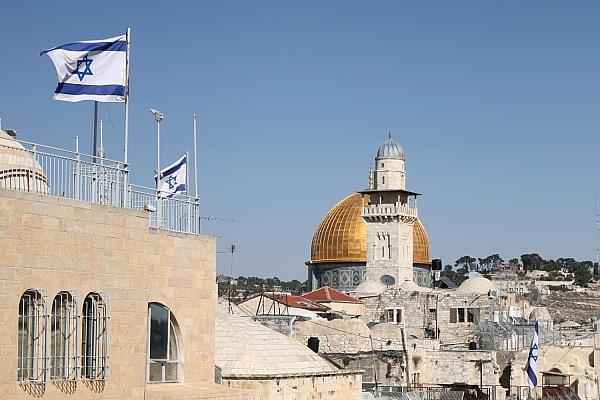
[(33, 321), (94, 338), (163, 346), (64, 332)]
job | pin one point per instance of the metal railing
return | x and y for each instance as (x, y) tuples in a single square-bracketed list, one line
[(179, 213), (74, 175)]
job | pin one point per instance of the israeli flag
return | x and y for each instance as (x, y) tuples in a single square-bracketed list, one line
[(91, 70), (532, 362), (173, 178)]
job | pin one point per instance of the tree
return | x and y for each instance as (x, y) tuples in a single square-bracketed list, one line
[(582, 275), (514, 262), (532, 261), (458, 276), (467, 262)]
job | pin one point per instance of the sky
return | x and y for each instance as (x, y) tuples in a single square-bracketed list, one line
[(496, 105)]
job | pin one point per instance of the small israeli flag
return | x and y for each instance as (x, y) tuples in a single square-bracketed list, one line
[(534, 357), (174, 178), (91, 70)]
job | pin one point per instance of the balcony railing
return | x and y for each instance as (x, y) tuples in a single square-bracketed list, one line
[(48, 170), (389, 210)]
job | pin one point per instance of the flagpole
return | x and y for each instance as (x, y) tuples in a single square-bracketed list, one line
[(125, 148), (95, 137), (195, 160)]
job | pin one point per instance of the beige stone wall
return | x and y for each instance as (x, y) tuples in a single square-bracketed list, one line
[(57, 244), (576, 361), (339, 386), (429, 309)]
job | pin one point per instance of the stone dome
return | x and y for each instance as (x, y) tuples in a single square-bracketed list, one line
[(390, 150), (19, 170), (246, 348), (370, 288), (342, 235), (477, 284)]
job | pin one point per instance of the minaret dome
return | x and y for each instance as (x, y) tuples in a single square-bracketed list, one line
[(389, 171)]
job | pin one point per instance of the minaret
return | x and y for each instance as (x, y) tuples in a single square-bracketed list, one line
[(389, 217)]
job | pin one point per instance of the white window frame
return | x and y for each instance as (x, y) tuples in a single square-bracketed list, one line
[(94, 354), (37, 324), (64, 349), (166, 361)]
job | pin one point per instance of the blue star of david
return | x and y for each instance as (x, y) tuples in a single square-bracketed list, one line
[(171, 182), (87, 71)]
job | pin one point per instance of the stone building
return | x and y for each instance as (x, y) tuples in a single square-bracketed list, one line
[(447, 315), (94, 303), (267, 365), (374, 233)]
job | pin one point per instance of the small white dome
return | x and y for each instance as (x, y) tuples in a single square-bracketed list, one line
[(19, 170), (477, 284), (370, 288)]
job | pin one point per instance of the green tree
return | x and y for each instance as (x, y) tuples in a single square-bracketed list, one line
[(467, 262), (532, 261), (582, 275)]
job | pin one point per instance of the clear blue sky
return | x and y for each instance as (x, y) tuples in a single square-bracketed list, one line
[(495, 103)]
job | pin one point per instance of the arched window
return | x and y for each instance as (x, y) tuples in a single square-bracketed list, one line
[(63, 337), (32, 337), (163, 348), (94, 338)]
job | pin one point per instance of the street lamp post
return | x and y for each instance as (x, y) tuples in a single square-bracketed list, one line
[(158, 116)]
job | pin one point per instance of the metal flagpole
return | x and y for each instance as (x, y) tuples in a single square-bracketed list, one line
[(125, 148), (95, 137), (195, 161), (158, 173)]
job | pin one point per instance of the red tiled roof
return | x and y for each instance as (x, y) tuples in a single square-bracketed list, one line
[(297, 301), (327, 294)]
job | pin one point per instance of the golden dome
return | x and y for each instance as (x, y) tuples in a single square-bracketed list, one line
[(420, 244), (342, 236)]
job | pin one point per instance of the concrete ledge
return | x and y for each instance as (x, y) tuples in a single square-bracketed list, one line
[(285, 376)]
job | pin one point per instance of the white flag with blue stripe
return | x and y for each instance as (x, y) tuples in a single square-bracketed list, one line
[(173, 178), (91, 70), (534, 357)]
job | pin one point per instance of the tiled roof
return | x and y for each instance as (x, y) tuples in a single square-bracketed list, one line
[(327, 294), (296, 301)]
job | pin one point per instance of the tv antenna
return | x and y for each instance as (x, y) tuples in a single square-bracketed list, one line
[(597, 232), (232, 250)]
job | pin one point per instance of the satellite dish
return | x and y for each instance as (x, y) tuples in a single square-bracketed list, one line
[(388, 280)]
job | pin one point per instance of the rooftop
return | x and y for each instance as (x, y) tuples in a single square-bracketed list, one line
[(47, 170), (327, 294)]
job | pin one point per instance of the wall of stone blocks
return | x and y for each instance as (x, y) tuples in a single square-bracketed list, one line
[(58, 244), (339, 386), (417, 314)]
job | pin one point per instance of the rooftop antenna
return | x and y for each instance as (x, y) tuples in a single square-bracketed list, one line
[(232, 250), (597, 232)]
